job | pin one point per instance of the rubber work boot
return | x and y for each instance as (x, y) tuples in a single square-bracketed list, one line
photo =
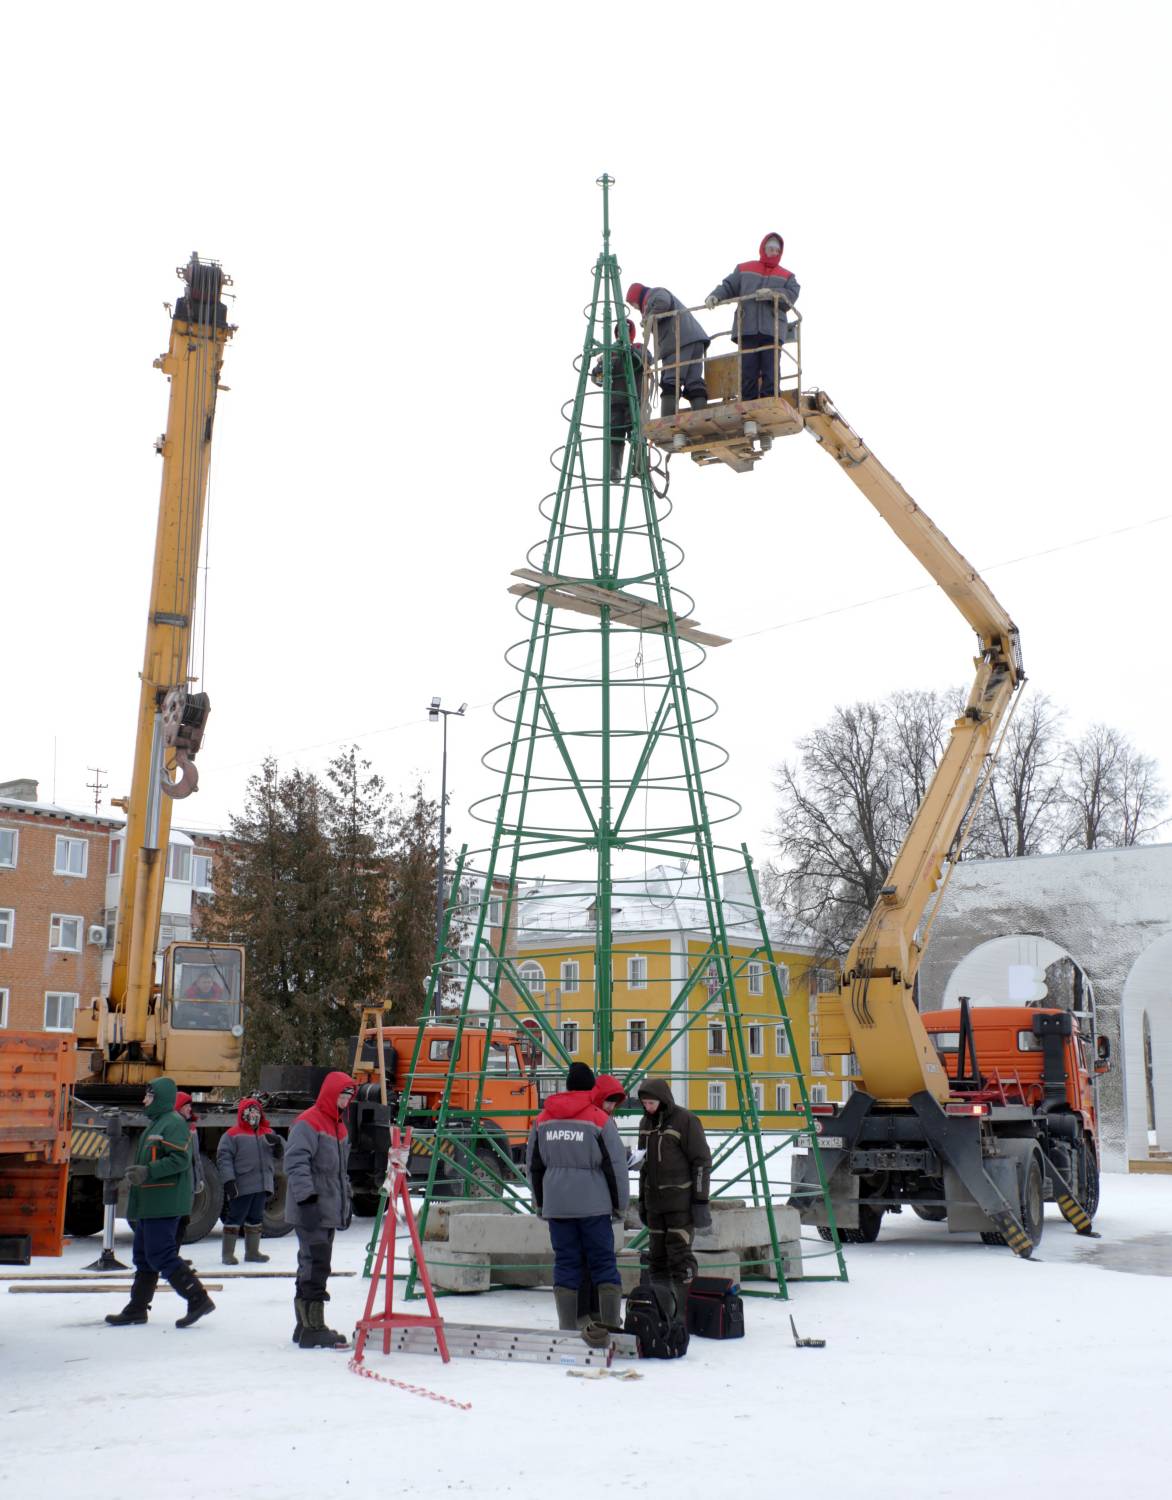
[(299, 1311), (252, 1233), (698, 401), (227, 1247), (610, 1306), (667, 403), (142, 1291), (190, 1288), (566, 1301), (616, 461), (315, 1334)]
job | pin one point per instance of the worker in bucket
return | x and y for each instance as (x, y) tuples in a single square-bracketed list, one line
[(622, 402), (674, 1179), (246, 1159), (578, 1173), (318, 1204), (160, 1195), (678, 345), (760, 327)]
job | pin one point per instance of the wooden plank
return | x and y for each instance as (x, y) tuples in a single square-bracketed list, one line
[(104, 1276), (627, 609), (123, 1288)]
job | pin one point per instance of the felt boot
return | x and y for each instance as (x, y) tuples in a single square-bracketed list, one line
[(315, 1334), (227, 1247), (299, 1312), (252, 1233)]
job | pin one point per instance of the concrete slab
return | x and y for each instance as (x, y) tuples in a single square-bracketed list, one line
[(444, 1210), (452, 1271), (520, 1269), (506, 1234), (733, 1229)]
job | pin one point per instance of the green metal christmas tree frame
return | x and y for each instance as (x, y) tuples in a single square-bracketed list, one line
[(576, 741)]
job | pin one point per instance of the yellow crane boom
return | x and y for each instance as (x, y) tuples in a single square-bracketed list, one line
[(874, 1014)]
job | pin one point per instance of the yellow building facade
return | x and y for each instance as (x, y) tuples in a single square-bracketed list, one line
[(692, 1047)]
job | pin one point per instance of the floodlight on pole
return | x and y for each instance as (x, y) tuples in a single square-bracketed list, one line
[(435, 712)]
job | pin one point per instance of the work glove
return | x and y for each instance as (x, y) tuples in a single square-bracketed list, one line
[(763, 294), (275, 1144), (310, 1211), (701, 1216), (711, 302), (137, 1175), (230, 1191)]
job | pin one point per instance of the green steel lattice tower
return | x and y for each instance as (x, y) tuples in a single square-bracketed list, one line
[(604, 772)]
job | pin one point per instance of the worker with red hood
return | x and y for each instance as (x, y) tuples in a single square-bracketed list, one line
[(578, 1173), (760, 327), (679, 345), (246, 1159), (318, 1203)]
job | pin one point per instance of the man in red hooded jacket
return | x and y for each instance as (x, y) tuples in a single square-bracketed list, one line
[(578, 1173), (760, 326), (317, 1203)]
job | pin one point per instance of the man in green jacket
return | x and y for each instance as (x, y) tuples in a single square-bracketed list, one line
[(160, 1194)]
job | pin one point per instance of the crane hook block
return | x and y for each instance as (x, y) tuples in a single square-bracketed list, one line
[(185, 717)]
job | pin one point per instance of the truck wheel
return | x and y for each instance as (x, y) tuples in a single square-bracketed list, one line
[(1089, 1175), (365, 1205), (84, 1213), (205, 1208), (274, 1225), (1033, 1200), (870, 1222), (931, 1213)]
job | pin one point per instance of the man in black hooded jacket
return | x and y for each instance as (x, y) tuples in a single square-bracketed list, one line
[(673, 1181)]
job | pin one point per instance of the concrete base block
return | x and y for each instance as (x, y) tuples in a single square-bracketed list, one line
[(444, 1210), (757, 1262), (630, 1268), (506, 1234), (452, 1271), (733, 1229), (519, 1269)]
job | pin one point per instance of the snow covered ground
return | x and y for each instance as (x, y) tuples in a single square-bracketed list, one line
[(950, 1369)]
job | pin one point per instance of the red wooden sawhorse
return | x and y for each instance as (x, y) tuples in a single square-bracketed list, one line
[(398, 1202)]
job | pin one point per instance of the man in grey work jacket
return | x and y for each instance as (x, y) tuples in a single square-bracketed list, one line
[(679, 345), (578, 1173)]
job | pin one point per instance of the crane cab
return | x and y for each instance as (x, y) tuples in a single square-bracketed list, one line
[(734, 428)]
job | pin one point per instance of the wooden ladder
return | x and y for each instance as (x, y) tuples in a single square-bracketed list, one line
[(371, 1026)]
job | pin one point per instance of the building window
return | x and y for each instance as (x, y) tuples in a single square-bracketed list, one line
[(495, 911), (716, 1040), (759, 1096), (65, 934), (636, 1035), (532, 977), (179, 863), (756, 1041), (780, 1041), (201, 872), (716, 1096), (637, 973), (9, 840), (783, 1099), (59, 1011), (756, 979), (818, 1094), (7, 926), (570, 976), (72, 857), (115, 867), (822, 981), (3, 1008), (782, 972), (570, 1037), (817, 1061)]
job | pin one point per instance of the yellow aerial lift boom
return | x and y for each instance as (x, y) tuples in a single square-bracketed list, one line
[(911, 1132)]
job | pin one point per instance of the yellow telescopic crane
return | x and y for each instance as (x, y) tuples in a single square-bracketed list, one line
[(190, 1026)]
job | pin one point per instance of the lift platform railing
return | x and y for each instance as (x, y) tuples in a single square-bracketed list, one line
[(730, 371)]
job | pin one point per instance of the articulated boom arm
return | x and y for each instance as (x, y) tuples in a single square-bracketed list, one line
[(170, 718), (875, 1017)]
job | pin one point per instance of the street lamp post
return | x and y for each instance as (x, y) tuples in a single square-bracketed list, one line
[(434, 713)]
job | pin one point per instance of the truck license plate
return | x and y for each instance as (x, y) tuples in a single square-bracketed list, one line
[(830, 1142)]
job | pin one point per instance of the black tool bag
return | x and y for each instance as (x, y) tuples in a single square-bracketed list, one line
[(660, 1332), (715, 1308)]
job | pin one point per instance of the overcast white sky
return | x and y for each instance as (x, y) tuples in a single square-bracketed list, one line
[(975, 199)]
